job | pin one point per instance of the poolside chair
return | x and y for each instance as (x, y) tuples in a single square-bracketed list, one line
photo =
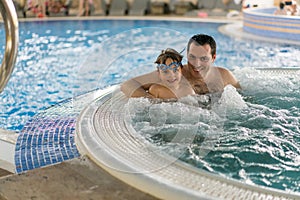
[(158, 7), (206, 4), (182, 6), (233, 6), (30, 8), (20, 6), (223, 9), (118, 7), (220, 5), (213, 7), (220, 9), (139, 7), (105, 7)]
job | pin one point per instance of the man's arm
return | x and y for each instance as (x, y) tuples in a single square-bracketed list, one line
[(233, 81), (229, 78), (139, 86)]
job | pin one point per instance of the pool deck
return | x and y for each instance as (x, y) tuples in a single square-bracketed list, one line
[(75, 179)]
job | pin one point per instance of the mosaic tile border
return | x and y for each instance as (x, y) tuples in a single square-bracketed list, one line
[(49, 137)]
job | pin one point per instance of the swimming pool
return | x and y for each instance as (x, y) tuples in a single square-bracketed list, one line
[(64, 50), (46, 46)]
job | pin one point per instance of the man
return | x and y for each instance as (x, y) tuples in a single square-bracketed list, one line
[(199, 71)]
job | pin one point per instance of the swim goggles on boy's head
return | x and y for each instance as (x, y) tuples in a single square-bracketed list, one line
[(173, 66)]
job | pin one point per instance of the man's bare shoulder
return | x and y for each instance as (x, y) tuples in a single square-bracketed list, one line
[(228, 77), (186, 89), (222, 69)]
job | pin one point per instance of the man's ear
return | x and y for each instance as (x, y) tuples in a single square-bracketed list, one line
[(214, 57)]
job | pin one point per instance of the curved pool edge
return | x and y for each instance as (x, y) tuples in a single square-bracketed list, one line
[(173, 181), (263, 22), (235, 30)]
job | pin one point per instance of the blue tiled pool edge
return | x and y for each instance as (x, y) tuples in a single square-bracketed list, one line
[(49, 136)]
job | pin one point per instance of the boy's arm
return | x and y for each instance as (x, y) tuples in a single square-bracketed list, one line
[(154, 90), (139, 86), (162, 92)]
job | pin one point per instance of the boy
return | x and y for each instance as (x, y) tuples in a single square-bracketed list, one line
[(172, 84)]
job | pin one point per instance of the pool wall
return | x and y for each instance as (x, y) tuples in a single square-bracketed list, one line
[(7, 150), (262, 22)]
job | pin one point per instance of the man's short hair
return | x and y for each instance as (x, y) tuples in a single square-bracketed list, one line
[(202, 39)]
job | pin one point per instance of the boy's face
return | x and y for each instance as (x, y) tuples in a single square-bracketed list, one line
[(170, 77), (199, 59)]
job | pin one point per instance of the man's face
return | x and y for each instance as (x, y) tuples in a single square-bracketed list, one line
[(199, 60)]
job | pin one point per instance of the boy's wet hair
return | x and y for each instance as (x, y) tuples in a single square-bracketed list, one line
[(202, 39), (168, 53)]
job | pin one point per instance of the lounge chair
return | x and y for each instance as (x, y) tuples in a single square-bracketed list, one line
[(220, 5), (207, 4), (220, 8), (159, 7), (183, 6), (118, 7), (225, 8), (139, 7), (233, 6), (213, 7), (105, 7), (20, 7)]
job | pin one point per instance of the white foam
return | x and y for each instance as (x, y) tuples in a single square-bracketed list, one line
[(231, 100), (276, 81)]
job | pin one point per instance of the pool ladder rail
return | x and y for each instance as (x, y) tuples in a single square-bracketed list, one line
[(10, 20)]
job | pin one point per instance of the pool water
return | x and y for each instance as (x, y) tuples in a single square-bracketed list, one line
[(61, 49), (252, 135)]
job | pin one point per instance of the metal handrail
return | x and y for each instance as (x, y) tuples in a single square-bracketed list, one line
[(10, 19)]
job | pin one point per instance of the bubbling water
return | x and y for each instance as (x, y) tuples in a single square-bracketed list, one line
[(251, 135)]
